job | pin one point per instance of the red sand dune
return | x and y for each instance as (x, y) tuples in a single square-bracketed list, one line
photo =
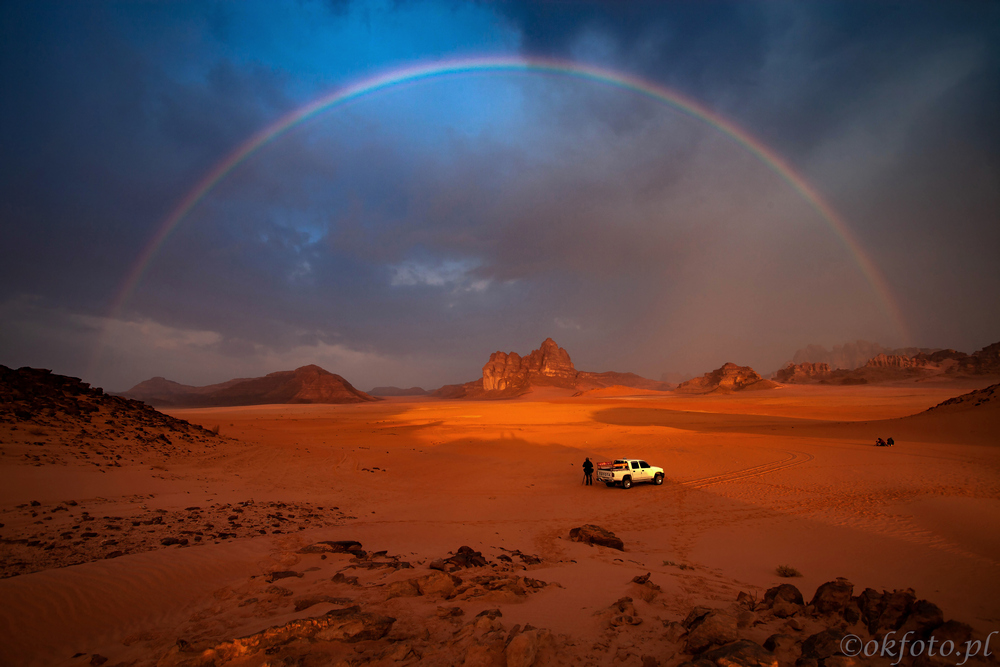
[(755, 480)]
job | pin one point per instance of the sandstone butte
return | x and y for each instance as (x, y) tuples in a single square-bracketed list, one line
[(727, 378), (508, 374)]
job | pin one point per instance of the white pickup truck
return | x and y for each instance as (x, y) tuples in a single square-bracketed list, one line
[(626, 472)]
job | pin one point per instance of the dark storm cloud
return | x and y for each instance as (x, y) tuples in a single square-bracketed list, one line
[(401, 239)]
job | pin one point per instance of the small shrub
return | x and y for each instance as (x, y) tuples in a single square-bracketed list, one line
[(787, 571)]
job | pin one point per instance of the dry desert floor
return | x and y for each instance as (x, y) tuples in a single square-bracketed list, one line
[(754, 480)]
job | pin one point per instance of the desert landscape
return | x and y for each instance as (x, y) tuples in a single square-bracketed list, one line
[(444, 531), (383, 333)]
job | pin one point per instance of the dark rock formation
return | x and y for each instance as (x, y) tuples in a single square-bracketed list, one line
[(785, 592), (729, 377), (833, 596), (465, 557), (803, 373), (82, 421), (592, 534), (308, 384)]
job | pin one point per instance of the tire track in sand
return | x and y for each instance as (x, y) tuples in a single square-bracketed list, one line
[(793, 459)]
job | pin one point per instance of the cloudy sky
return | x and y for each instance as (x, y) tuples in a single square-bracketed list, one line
[(400, 238)]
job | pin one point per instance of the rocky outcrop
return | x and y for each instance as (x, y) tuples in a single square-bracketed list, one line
[(591, 534), (803, 373), (729, 377), (308, 384), (508, 374), (548, 365), (989, 396), (895, 361), (982, 362)]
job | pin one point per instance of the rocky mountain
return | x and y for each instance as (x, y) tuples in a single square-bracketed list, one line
[(397, 391), (887, 365), (56, 419), (895, 367), (727, 378), (803, 373), (508, 374), (308, 384), (851, 355)]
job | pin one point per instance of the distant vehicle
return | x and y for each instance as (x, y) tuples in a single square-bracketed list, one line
[(626, 472)]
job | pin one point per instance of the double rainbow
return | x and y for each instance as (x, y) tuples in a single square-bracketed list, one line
[(539, 66)]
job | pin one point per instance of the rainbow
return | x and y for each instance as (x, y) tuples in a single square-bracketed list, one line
[(526, 65)]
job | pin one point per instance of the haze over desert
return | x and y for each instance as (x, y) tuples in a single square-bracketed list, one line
[(499, 334)]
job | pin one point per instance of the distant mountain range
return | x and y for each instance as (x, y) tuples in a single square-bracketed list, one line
[(889, 367), (852, 355), (308, 384), (397, 391)]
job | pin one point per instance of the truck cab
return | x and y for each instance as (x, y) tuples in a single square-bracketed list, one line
[(625, 472)]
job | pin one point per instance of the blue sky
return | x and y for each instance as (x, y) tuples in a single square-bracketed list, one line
[(402, 238)]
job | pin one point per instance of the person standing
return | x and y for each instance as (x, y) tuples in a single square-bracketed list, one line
[(588, 472)]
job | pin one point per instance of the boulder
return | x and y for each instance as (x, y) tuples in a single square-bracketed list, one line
[(437, 583), (523, 649), (833, 596), (742, 653), (923, 617), (465, 557), (591, 534), (785, 592), (823, 644), (714, 629), (777, 643)]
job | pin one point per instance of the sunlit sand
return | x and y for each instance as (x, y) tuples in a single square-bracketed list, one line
[(786, 477)]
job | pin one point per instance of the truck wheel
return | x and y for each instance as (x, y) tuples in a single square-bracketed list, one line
[(610, 484), (658, 479), (627, 483)]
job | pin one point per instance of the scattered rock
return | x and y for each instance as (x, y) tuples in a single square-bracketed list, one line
[(591, 534), (465, 557), (271, 577), (742, 653)]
